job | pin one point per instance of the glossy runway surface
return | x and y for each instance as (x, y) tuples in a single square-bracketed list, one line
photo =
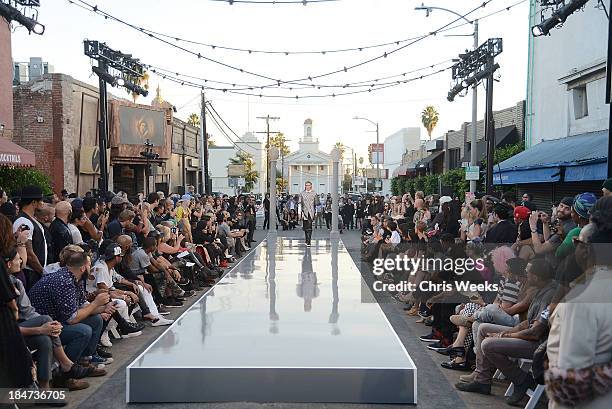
[(288, 324)]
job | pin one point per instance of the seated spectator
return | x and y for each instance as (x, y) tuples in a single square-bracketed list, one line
[(116, 226), (553, 232), (62, 297), (41, 334), (578, 347), (497, 346), (160, 277)]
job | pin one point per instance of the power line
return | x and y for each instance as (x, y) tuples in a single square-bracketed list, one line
[(345, 68), (303, 2), (295, 52), (245, 87), (297, 97)]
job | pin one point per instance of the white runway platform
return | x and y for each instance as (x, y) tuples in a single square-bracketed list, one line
[(288, 324)]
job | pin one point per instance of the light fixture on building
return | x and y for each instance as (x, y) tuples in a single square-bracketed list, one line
[(135, 88), (558, 17), (106, 77), (10, 13)]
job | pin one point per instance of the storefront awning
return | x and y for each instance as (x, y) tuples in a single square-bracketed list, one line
[(571, 159), (12, 154), (504, 136), (426, 162)]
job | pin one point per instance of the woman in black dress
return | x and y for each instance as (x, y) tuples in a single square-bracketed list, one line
[(15, 359)]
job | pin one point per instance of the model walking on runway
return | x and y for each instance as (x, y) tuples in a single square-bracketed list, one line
[(307, 200)]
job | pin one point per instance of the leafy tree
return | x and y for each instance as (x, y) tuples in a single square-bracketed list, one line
[(194, 119), (429, 118), (281, 184), (395, 187), (13, 179), (280, 142), (251, 176)]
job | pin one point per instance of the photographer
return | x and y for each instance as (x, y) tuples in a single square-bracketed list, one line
[(552, 233)]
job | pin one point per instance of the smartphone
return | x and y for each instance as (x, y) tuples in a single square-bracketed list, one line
[(173, 230)]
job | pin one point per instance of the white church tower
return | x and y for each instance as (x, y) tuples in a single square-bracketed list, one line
[(308, 164)]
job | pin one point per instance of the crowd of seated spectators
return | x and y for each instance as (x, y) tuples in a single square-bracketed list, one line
[(551, 306), (79, 274)]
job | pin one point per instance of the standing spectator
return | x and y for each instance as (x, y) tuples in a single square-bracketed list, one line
[(60, 231), (38, 244), (348, 212), (266, 205), (503, 231)]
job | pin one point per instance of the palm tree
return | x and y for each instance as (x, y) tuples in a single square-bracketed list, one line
[(341, 148), (194, 120), (140, 81), (250, 174), (429, 118)]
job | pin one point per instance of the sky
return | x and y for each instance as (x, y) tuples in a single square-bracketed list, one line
[(294, 27)]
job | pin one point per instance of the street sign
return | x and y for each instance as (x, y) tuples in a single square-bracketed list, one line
[(377, 153), (359, 181), (472, 173), (465, 164), (241, 182), (236, 170)]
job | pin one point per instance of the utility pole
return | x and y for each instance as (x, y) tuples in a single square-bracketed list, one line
[(204, 148), (474, 136), (268, 118), (489, 128), (378, 179), (473, 67), (103, 132)]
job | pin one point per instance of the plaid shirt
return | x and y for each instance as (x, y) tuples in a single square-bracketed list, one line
[(58, 295)]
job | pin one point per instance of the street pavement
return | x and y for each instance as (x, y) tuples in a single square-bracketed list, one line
[(435, 386)]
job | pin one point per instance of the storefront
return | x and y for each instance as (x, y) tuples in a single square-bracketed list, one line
[(135, 131), (557, 168)]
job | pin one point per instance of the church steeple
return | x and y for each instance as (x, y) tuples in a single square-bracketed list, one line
[(308, 130), (158, 100)]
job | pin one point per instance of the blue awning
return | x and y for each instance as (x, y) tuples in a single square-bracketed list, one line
[(572, 159)]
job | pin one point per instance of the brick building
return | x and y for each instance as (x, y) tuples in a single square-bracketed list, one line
[(56, 117)]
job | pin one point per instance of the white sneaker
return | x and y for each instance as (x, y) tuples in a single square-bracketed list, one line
[(131, 334), (105, 340), (161, 322)]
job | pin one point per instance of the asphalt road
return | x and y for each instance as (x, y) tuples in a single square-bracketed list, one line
[(435, 385)]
